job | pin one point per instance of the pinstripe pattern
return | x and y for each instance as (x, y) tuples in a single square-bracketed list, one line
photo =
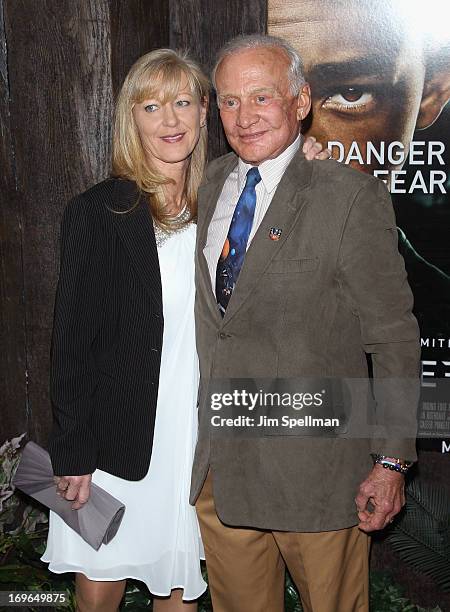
[(107, 335), (271, 172)]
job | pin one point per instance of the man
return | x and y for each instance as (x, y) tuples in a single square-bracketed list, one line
[(377, 74), (298, 274)]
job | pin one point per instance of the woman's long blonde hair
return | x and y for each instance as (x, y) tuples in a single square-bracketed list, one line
[(157, 74)]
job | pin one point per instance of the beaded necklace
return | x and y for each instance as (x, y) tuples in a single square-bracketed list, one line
[(176, 225)]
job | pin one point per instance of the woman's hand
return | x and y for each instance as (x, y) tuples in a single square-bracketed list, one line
[(313, 149), (74, 488)]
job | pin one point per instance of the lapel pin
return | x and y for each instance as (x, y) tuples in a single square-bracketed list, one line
[(275, 233)]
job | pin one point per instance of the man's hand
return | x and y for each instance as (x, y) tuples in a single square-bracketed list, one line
[(74, 488), (313, 149), (385, 491)]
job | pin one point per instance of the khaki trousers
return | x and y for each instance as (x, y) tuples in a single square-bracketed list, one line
[(246, 567)]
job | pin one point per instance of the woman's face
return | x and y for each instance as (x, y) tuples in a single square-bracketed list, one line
[(169, 132)]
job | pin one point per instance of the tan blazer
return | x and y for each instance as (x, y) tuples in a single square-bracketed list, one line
[(313, 303)]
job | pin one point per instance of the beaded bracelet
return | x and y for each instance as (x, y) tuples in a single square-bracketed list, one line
[(396, 465)]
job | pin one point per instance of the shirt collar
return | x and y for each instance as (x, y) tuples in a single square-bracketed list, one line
[(271, 170)]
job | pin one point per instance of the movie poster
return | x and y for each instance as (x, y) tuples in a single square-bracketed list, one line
[(379, 72)]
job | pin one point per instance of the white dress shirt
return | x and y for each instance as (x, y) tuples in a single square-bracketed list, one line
[(271, 172)]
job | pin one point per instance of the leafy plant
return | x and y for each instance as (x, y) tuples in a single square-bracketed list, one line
[(137, 598), (20, 525), (421, 536), (23, 532), (9, 458), (385, 596), (423, 539), (292, 601)]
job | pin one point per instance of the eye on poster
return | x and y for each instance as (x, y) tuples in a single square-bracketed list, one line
[(379, 72)]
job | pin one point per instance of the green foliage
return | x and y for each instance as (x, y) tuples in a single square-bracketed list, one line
[(9, 458), (137, 598), (421, 536), (292, 601), (386, 596), (24, 571)]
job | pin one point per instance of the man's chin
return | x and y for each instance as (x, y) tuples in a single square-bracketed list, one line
[(253, 155), (250, 151)]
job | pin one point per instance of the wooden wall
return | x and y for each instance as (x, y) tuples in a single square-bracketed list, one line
[(61, 65)]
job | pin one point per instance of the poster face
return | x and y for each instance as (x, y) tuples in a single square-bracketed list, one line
[(379, 72)]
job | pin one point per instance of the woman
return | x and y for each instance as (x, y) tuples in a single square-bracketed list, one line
[(124, 367)]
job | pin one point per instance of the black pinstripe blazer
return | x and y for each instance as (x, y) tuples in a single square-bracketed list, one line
[(107, 335)]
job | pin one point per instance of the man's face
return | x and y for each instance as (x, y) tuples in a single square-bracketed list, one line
[(366, 80), (260, 116)]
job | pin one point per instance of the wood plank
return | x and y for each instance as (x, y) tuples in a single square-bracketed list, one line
[(61, 108), (137, 26), (203, 26), (12, 313), (64, 60)]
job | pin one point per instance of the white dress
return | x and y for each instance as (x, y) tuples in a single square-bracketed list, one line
[(159, 540)]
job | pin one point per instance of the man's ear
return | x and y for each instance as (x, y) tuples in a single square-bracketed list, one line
[(303, 102), (436, 92)]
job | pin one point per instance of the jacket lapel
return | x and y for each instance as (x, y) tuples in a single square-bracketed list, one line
[(283, 212), (135, 230), (208, 195)]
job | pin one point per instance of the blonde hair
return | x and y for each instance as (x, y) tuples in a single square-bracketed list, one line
[(157, 74)]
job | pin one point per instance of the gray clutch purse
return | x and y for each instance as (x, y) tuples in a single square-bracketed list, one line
[(96, 522)]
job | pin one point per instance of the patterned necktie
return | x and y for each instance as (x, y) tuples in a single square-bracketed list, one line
[(233, 252)]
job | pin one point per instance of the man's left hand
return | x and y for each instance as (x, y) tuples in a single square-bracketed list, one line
[(313, 149), (385, 491)]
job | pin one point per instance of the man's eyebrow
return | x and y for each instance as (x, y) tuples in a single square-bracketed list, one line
[(251, 92), (365, 66), (258, 90)]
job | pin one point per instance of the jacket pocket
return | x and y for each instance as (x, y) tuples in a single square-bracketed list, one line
[(289, 266)]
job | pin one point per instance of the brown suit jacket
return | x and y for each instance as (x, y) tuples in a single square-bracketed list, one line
[(332, 289)]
